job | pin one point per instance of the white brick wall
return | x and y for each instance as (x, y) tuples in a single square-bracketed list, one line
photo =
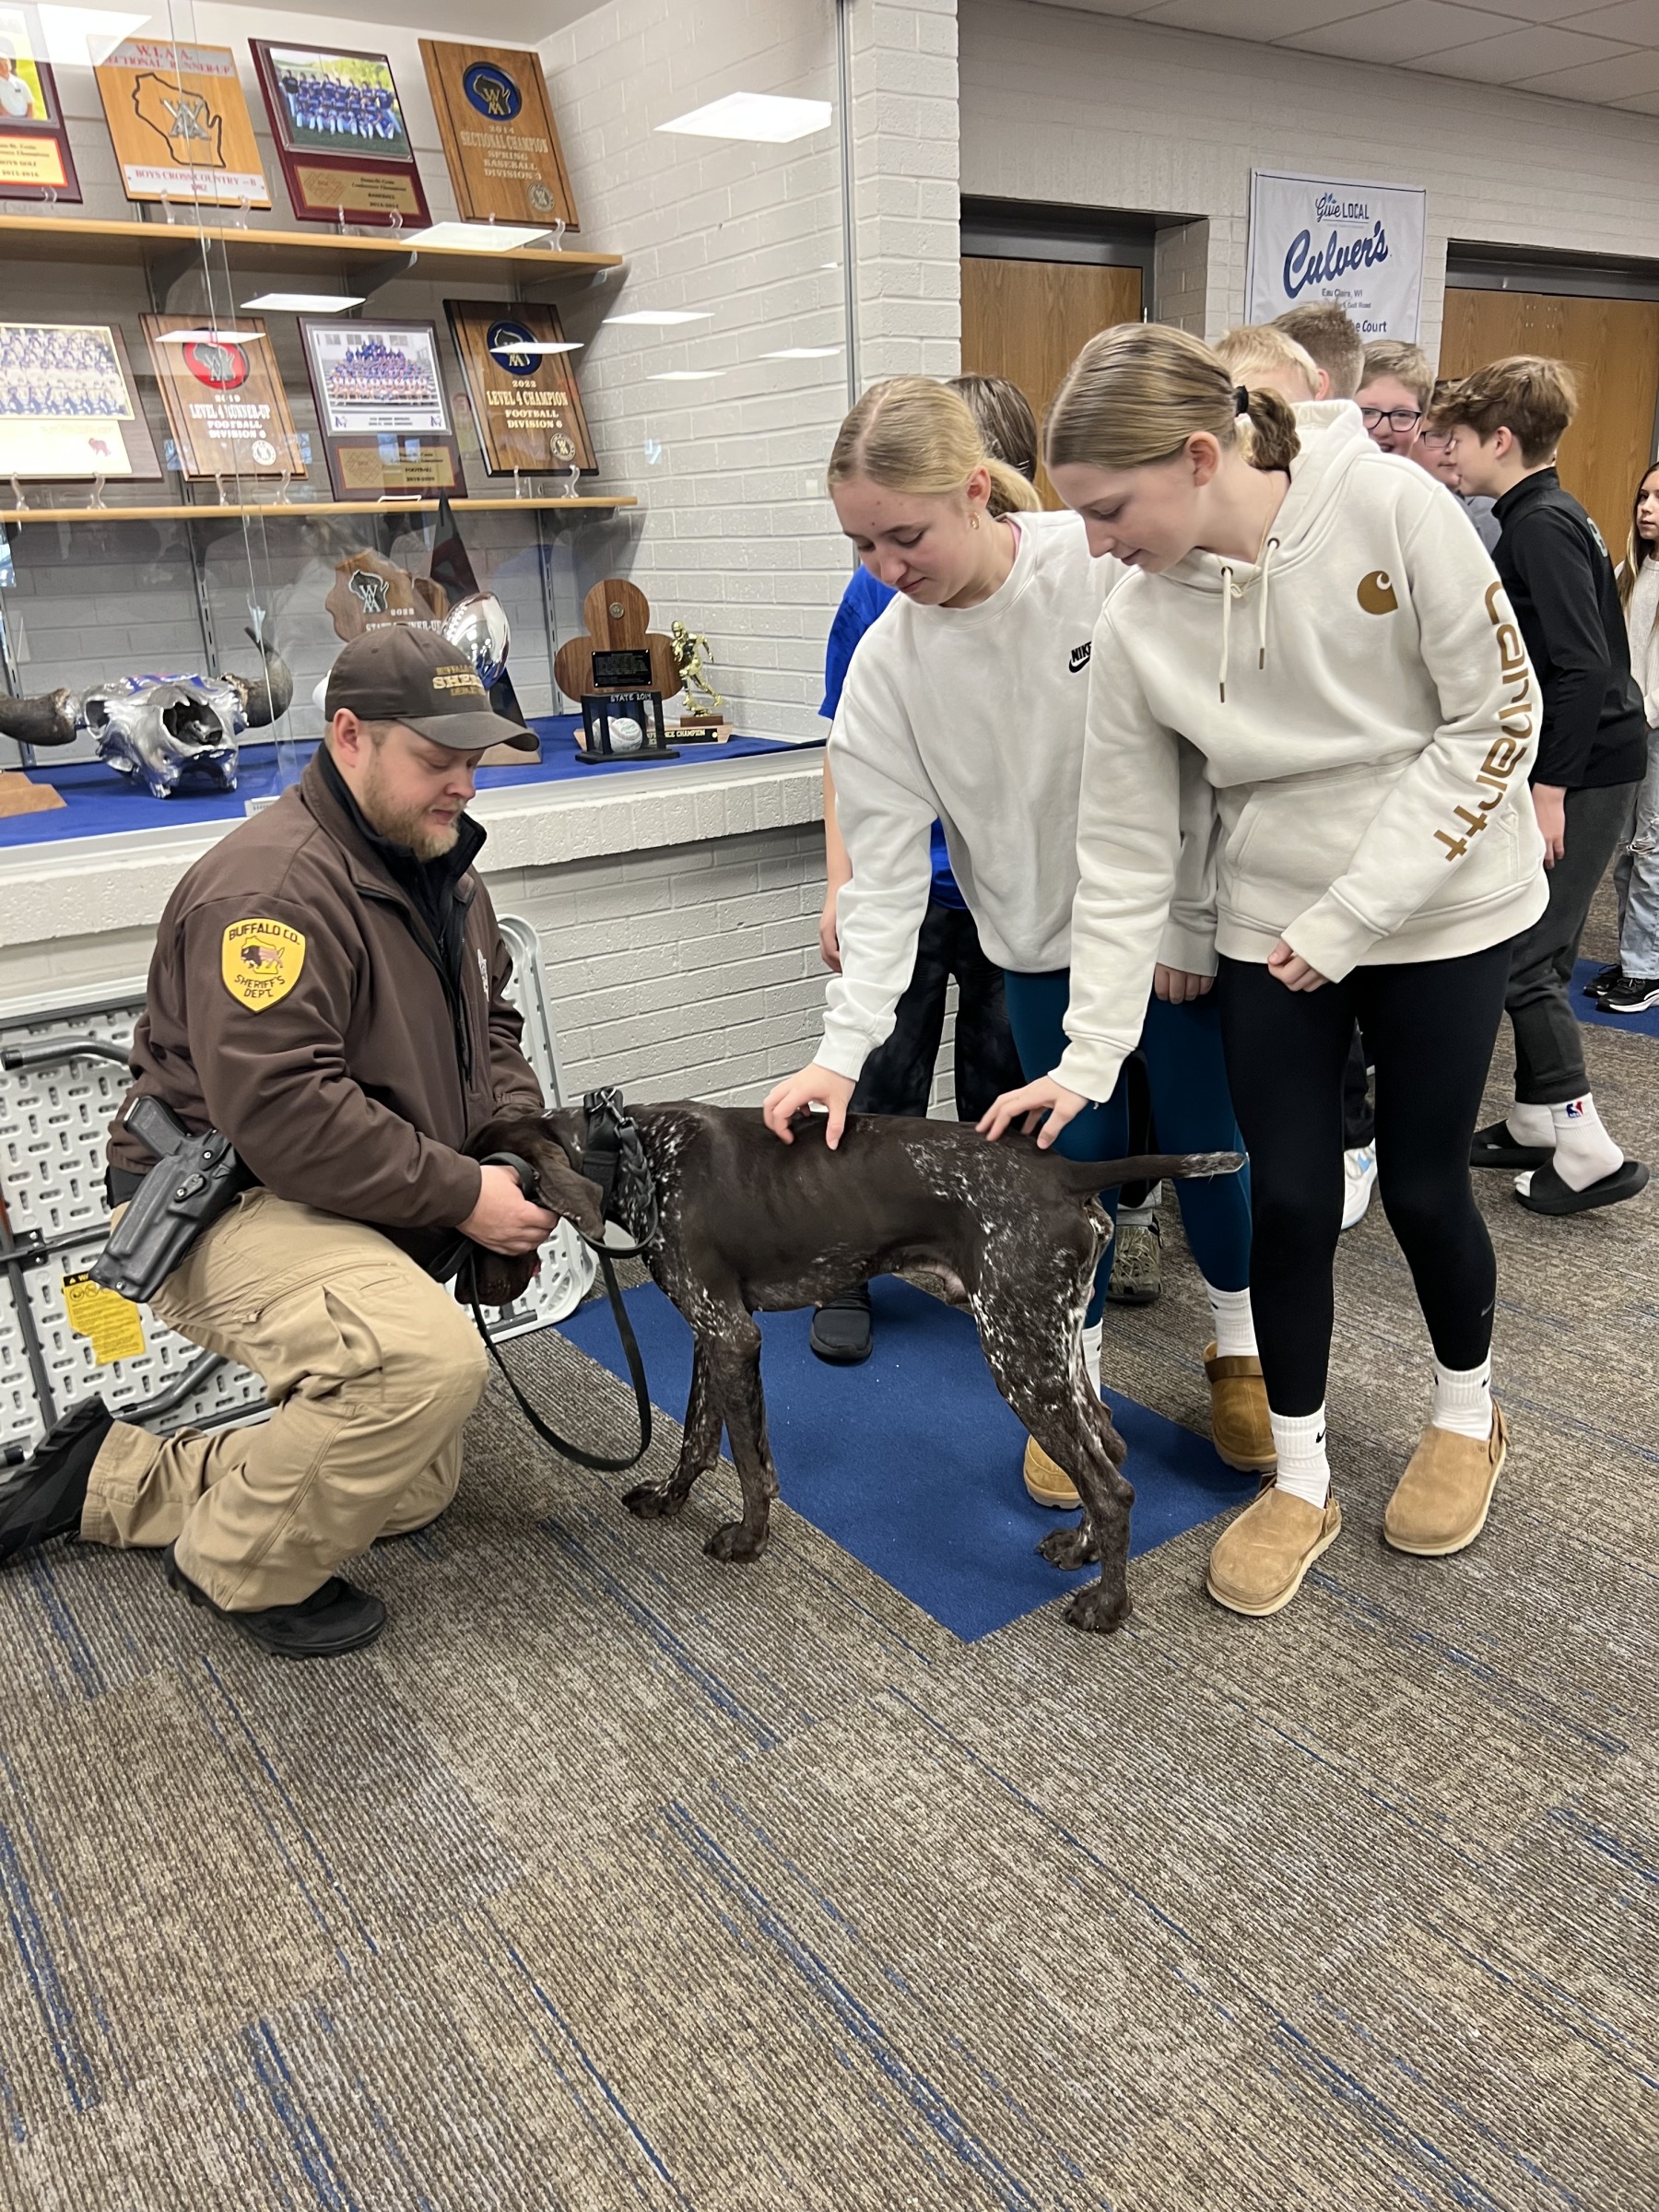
[(1094, 111), (907, 247)]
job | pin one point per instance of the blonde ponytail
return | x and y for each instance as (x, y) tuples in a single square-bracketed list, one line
[(1136, 393), (910, 434)]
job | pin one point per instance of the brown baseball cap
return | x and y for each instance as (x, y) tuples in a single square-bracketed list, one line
[(399, 671)]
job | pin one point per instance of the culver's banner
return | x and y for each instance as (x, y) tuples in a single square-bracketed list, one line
[(1360, 245)]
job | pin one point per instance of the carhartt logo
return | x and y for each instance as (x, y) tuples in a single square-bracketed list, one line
[(1515, 719), (1079, 657), (1376, 595)]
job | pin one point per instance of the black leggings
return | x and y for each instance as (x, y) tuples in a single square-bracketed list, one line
[(1430, 1027)]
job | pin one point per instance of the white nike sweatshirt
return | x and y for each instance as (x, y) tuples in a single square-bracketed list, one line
[(1360, 713), (973, 715)]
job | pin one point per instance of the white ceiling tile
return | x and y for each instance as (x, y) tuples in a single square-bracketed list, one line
[(1405, 31), (1606, 81), (1646, 103), (1250, 18), (1519, 53), (1104, 7), (1634, 20), (1531, 11)]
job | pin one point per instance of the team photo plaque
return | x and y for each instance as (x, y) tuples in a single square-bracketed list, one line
[(180, 125), (225, 402), (386, 423), (340, 135), (66, 404), (523, 387), (499, 142)]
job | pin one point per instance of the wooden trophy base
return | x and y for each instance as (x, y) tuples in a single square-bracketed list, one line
[(18, 795), (702, 729)]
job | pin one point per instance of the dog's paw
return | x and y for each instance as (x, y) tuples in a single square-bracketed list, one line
[(1099, 1610), (1068, 1547), (733, 1542), (651, 1501)]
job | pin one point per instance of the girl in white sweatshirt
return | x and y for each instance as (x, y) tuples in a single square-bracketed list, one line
[(1316, 639), (966, 701)]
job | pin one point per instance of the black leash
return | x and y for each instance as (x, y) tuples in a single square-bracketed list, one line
[(630, 1352)]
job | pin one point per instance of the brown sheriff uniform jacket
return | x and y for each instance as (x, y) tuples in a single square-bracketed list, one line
[(297, 1002)]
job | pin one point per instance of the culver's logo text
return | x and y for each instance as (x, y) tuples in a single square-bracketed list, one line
[(1304, 265)]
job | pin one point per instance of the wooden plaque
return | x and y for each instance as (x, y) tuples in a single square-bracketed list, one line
[(379, 389), (35, 158), (500, 140), (180, 125), (524, 400), (340, 134), (618, 615), (225, 404)]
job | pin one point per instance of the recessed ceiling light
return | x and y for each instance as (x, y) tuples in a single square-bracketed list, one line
[(763, 117), (802, 353), (472, 238), (661, 318), (684, 376), (211, 337), (307, 303)]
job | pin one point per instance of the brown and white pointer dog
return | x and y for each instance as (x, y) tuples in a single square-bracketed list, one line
[(749, 1225)]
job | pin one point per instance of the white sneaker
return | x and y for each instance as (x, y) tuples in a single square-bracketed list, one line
[(1358, 1180)]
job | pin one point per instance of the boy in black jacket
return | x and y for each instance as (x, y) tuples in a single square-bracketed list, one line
[(1505, 423)]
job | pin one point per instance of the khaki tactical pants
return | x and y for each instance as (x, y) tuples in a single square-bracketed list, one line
[(372, 1368)]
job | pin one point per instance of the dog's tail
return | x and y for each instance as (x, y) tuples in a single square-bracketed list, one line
[(1082, 1176)]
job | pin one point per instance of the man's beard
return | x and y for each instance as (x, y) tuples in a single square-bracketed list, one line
[(405, 825)]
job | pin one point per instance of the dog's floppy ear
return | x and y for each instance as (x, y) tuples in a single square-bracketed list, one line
[(537, 1138)]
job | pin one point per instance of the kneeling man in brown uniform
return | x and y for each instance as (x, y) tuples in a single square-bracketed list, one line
[(329, 991)]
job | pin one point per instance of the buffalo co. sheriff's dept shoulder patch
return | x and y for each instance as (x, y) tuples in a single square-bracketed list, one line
[(261, 962)]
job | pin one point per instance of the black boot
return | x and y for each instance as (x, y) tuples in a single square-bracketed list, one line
[(842, 1329), (337, 1617), (43, 1498)]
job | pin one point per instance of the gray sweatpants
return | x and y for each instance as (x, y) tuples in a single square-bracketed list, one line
[(1549, 1056)]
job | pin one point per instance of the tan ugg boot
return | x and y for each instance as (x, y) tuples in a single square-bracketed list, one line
[(1046, 1480), (1441, 1502), (1239, 1424), (1259, 1559)]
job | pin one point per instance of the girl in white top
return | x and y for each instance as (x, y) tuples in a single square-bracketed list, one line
[(1633, 986), (1314, 630), (966, 700)]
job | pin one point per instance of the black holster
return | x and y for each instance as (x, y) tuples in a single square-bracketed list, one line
[(194, 1180)]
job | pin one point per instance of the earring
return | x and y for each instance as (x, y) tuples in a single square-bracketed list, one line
[(974, 520)]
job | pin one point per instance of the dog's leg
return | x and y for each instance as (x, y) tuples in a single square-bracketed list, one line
[(735, 1361), (1038, 1369), (698, 1451)]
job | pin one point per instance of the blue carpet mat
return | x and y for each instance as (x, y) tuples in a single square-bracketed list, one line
[(911, 1462), (1587, 1010)]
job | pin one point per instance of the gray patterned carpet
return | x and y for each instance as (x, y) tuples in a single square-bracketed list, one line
[(615, 1878)]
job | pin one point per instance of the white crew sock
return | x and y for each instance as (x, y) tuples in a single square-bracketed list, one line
[(1530, 1124), (1304, 1469), (1235, 1331), (1463, 1400), (1093, 1333), (1584, 1150), (1140, 1217)]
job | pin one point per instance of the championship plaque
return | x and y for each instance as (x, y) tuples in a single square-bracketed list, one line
[(379, 400), (66, 404), (180, 125), (35, 160), (498, 136), (522, 386), (340, 135), (225, 402)]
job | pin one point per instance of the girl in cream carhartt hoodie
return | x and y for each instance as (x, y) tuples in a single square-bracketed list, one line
[(1316, 639)]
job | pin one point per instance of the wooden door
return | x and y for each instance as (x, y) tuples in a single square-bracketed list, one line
[(1029, 321), (1612, 346)]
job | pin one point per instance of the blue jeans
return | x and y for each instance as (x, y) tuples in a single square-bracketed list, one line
[(1636, 877), (1192, 1110)]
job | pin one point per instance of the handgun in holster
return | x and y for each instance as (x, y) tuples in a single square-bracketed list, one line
[(194, 1180)]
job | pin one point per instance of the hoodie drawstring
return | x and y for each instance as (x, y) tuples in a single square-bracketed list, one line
[(1232, 591)]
